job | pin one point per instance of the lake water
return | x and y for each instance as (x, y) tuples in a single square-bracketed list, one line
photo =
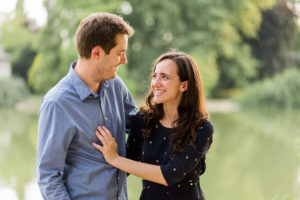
[(255, 156)]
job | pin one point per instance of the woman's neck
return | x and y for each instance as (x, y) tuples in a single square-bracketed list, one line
[(170, 115)]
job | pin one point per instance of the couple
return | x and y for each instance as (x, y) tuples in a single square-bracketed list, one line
[(83, 120)]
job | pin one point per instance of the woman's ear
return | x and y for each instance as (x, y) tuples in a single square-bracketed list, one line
[(183, 86)]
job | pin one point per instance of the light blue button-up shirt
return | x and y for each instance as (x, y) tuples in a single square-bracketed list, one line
[(68, 166)]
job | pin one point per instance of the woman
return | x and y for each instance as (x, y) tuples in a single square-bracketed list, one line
[(171, 135)]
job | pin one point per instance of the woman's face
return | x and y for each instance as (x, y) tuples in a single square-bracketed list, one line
[(165, 83)]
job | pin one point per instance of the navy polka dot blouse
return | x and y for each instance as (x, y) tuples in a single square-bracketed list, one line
[(181, 172)]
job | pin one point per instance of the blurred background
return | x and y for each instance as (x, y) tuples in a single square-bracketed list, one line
[(248, 52)]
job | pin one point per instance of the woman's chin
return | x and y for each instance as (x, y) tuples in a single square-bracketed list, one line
[(157, 101)]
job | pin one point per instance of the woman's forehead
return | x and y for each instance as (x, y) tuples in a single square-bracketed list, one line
[(166, 66)]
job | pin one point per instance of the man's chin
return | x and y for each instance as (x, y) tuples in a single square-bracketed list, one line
[(114, 75)]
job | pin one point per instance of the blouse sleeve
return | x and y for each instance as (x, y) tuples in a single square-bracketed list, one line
[(135, 138), (184, 162)]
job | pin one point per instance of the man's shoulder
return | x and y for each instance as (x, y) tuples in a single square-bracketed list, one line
[(118, 83), (59, 92)]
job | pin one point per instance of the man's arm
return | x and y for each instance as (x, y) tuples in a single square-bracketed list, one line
[(129, 105), (54, 138), (130, 112)]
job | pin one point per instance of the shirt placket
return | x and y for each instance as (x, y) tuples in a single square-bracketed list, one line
[(105, 112), (107, 119)]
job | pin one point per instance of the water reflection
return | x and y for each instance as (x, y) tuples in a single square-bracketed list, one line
[(255, 155), (17, 152)]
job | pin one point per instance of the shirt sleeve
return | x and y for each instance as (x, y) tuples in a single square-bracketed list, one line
[(129, 105), (135, 138), (54, 139), (184, 162)]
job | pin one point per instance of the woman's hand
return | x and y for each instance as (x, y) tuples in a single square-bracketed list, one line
[(109, 146)]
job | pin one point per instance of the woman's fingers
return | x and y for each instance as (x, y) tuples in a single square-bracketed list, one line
[(97, 146), (109, 146), (104, 135), (100, 130), (100, 137), (106, 131)]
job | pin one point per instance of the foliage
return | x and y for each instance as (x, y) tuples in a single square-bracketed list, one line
[(208, 69), (280, 91), (18, 37), (57, 49), (274, 42), (12, 90), (22, 61), (211, 31)]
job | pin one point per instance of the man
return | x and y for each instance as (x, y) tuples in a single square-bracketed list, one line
[(91, 94)]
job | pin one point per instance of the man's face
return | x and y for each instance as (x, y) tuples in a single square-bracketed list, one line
[(117, 55)]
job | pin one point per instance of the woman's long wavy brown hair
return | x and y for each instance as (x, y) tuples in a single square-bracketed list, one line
[(191, 110)]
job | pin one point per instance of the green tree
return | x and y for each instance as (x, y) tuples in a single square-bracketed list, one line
[(18, 37), (57, 49), (209, 30), (273, 44)]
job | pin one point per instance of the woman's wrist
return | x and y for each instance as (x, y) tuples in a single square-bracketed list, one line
[(115, 160)]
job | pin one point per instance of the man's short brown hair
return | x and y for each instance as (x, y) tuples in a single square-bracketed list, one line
[(100, 29)]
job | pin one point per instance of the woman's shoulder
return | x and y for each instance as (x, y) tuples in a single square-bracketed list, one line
[(206, 128), (139, 116), (204, 136), (136, 120)]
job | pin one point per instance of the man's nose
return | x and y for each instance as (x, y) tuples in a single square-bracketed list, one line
[(124, 59)]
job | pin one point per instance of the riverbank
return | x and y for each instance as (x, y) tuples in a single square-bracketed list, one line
[(222, 106), (32, 104)]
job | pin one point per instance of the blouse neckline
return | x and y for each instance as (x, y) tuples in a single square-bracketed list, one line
[(161, 125)]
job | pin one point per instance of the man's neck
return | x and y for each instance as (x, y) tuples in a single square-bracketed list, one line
[(84, 70)]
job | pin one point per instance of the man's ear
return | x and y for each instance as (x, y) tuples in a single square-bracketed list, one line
[(97, 52), (183, 86)]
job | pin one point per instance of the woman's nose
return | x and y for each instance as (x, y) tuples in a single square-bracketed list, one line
[(156, 81)]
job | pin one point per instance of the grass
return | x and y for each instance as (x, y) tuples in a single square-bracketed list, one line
[(134, 187)]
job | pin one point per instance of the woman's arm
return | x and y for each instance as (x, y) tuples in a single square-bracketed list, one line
[(109, 150)]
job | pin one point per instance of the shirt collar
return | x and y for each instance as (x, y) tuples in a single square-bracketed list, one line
[(80, 86)]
